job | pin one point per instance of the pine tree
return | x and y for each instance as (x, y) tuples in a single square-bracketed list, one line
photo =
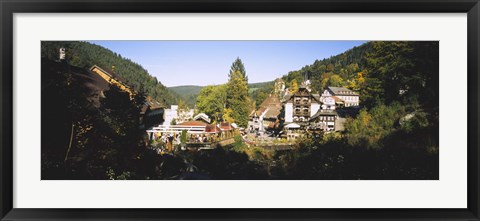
[(238, 66), (237, 98)]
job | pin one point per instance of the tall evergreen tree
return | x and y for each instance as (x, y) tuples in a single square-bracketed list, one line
[(237, 104), (238, 66)]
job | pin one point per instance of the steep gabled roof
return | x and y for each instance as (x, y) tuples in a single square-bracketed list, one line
[(111, 74), (271, 107), (317, 98), (202, 116)]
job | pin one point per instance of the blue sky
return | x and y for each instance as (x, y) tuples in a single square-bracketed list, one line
[(202, 63)]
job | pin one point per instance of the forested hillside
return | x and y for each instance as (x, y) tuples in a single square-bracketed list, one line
[(188, 92), (260, 91), (85, 55), (333, 71), (382, 72)]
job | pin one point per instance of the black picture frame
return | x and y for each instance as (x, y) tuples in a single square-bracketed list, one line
[(9, 7)]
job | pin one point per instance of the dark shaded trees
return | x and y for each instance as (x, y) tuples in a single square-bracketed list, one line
[(405, 71), (88, 137)]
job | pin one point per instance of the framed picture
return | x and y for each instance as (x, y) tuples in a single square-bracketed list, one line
[(239, 110)]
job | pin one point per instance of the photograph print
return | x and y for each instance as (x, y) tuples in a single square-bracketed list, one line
[(239, 110)]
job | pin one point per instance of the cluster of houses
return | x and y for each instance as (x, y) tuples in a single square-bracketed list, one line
[(293, 112), (303, 110)]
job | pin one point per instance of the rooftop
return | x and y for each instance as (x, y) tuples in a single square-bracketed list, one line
[(271, 105), (193, 123), (341, 91), (226, 126), (323, 113), (212, 128)]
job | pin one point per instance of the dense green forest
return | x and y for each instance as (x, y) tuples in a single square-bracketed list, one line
[(85, 55)]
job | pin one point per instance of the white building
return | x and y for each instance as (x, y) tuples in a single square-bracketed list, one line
[(178, 115), (348, 97), (325, 119), (328, 101)]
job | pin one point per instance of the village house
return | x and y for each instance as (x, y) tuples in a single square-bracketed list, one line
[(301, 106), (307, 110), (325, 119), (266, 116), (344, 96)]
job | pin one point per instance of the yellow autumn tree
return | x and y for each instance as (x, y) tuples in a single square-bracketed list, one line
[(227, 115), (294, 86)]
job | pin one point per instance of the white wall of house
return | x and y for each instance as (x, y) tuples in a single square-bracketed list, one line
[(314, 107), (349, 100), (328, 103), (170, 114), (288, 112), (261, 126)]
